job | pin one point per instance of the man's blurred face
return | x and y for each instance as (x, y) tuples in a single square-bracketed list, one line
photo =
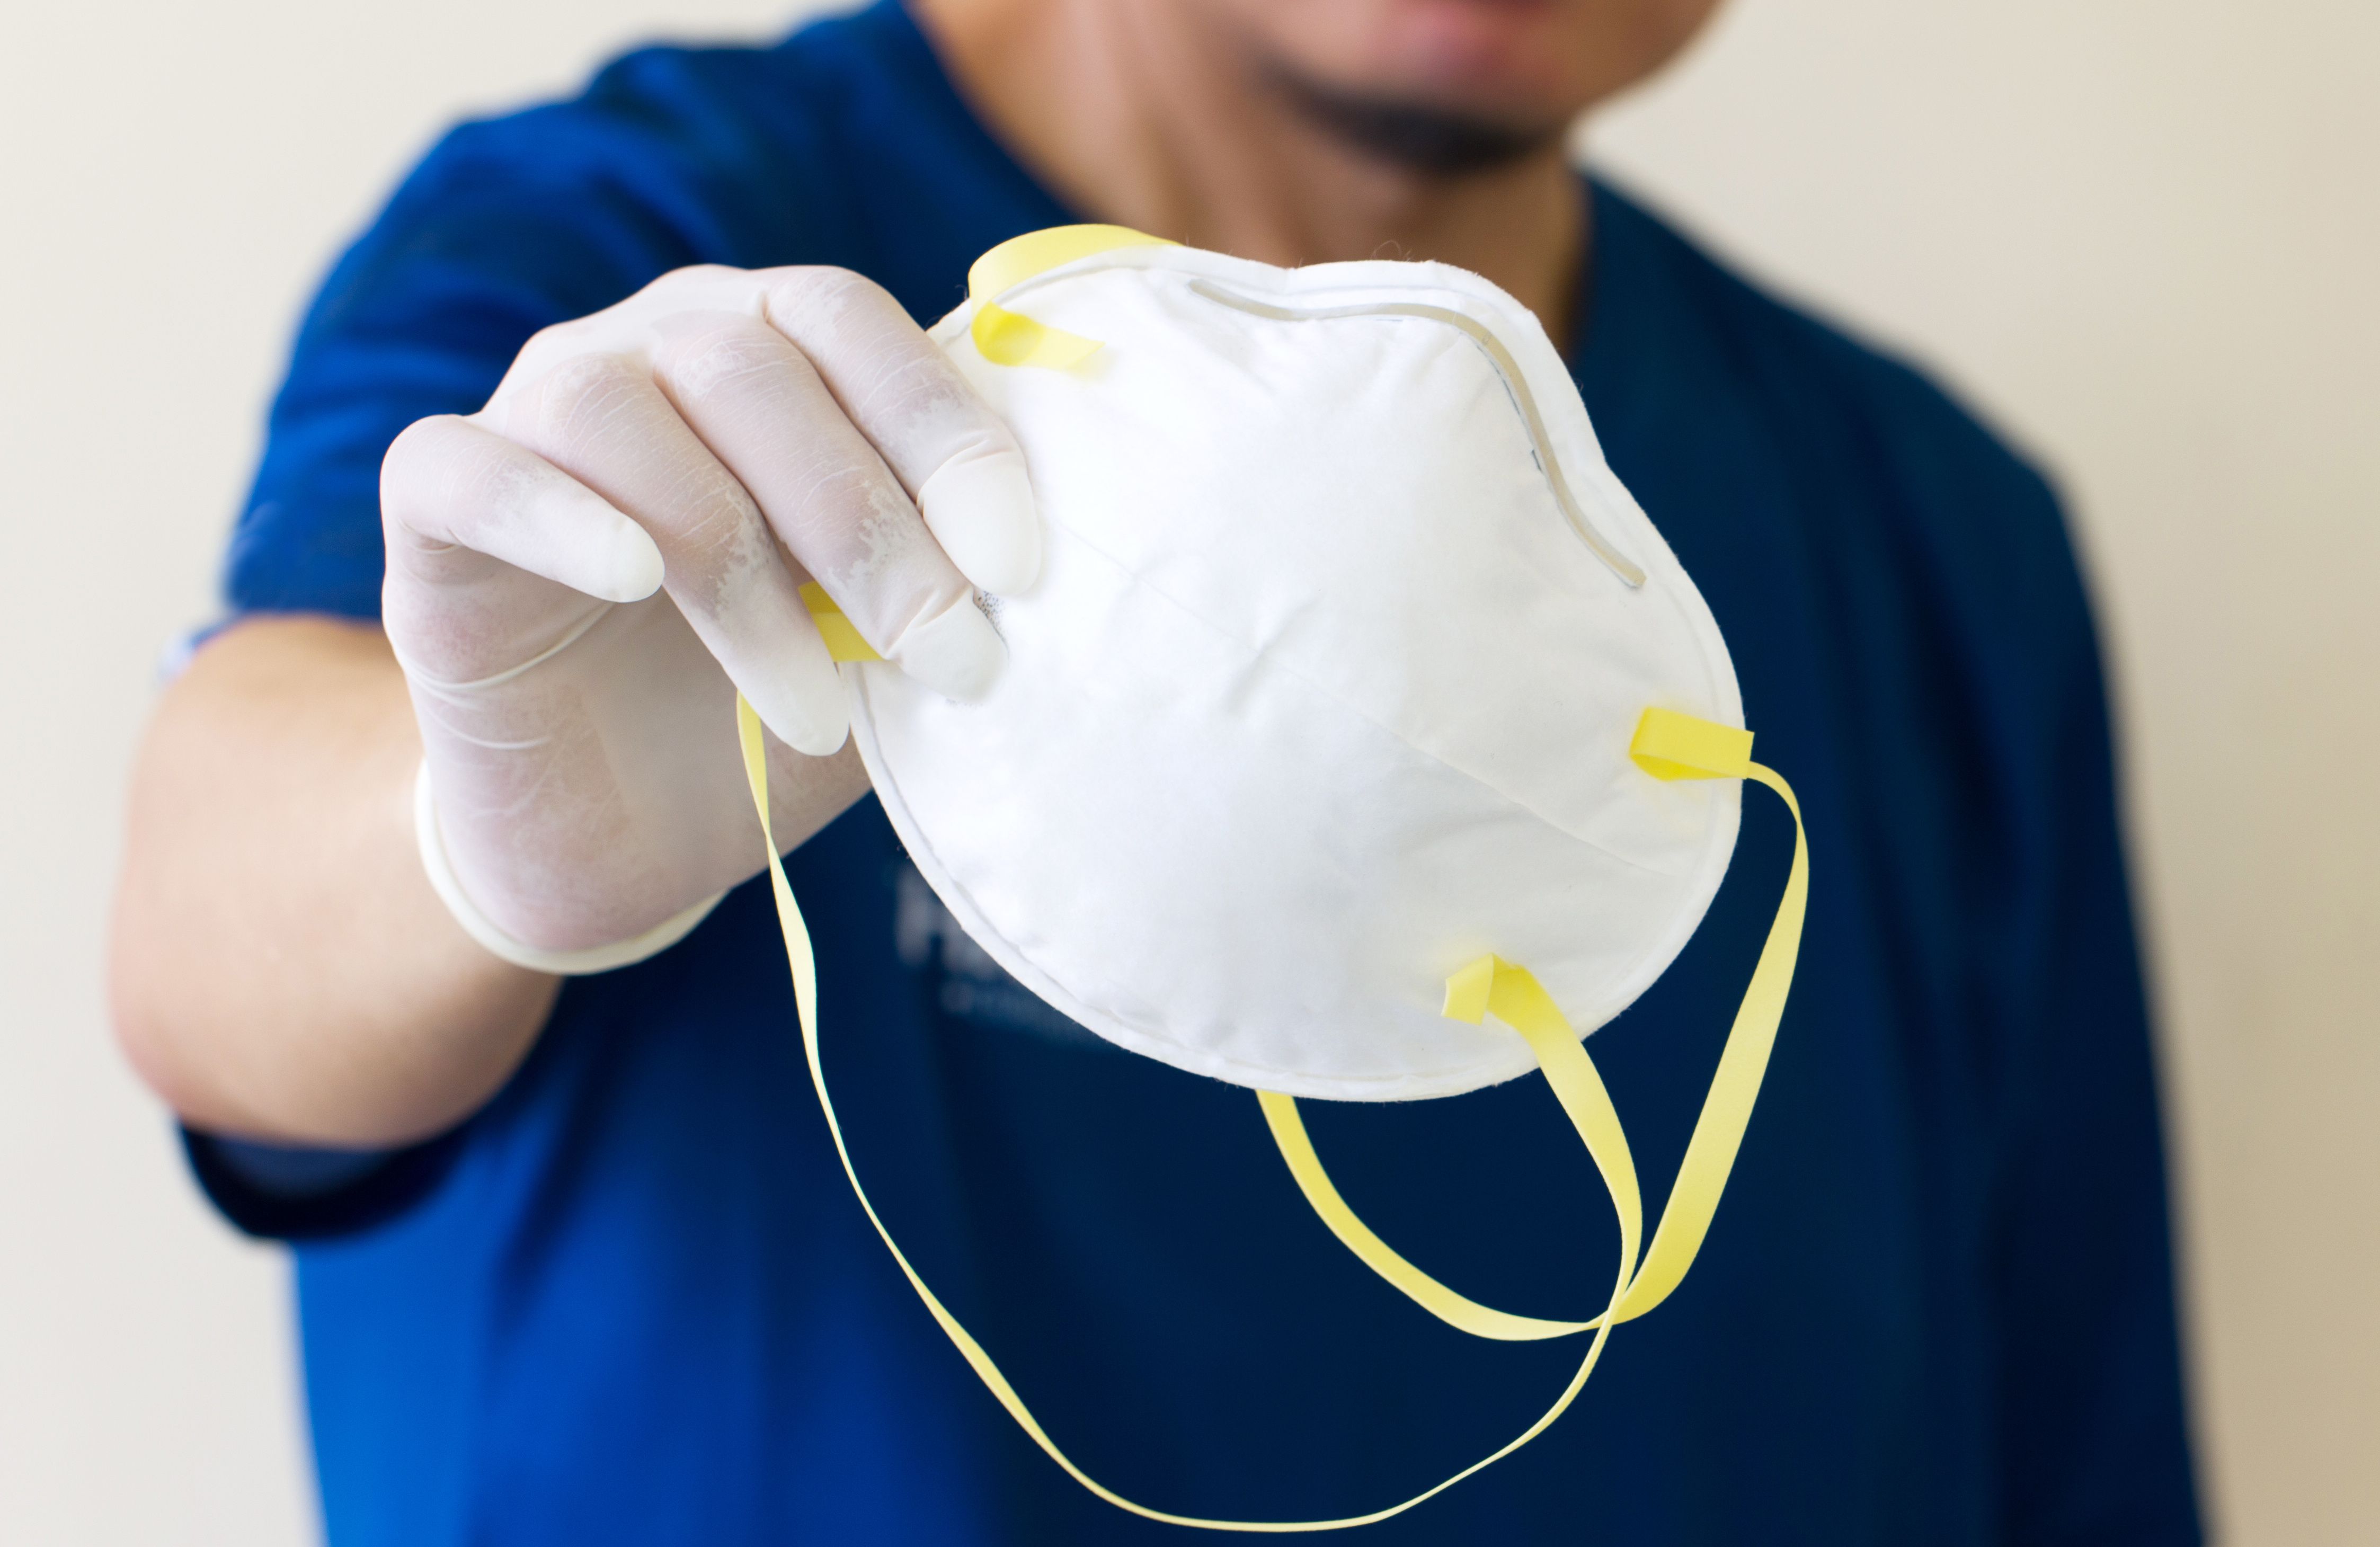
[(1450, 85)]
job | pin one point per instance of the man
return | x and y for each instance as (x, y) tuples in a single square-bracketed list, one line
[(575, 1262)]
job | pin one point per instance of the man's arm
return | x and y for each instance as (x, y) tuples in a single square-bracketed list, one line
[(2094, 1440), (280, 966), (579, 579)]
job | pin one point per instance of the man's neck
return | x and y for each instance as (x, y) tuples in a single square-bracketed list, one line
[(1145, 113)]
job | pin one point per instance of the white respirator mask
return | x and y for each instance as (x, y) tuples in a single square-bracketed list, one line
[(1360, 738)]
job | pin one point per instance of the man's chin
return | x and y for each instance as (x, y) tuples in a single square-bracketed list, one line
[(1428, 138)]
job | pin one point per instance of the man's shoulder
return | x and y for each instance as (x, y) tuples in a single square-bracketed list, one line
[(669, 155), (689, 109), (1790, 352), (1854, 421)]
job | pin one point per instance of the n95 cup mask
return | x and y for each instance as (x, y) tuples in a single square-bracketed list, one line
[(1360, 738)]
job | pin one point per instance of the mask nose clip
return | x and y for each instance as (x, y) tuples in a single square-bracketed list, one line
[(1508, 369)]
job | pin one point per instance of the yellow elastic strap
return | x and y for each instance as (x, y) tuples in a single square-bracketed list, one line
[(1669, 745), (1516, 998), (1672, 746), (1036, 252), (1005, 338), (842, 639), (1512, 994)]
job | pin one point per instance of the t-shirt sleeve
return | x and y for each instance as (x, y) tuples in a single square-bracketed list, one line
[(297, 1194), (2093, 1439), (2093, 1429)]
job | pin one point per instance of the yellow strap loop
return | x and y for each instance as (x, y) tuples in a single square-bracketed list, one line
[(1008, 338), (1669, 745), (1004, 337), (1673, 746), (1036, 252), (1567, 1069)]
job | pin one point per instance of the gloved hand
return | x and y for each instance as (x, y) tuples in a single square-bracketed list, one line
[(582, 573)]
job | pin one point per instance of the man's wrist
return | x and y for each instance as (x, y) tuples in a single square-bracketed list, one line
[(496, 942)]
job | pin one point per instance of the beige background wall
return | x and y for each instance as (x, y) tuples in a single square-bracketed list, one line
[(2139, 234)]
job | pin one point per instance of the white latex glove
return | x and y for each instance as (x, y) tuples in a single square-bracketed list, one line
[(582, 573)]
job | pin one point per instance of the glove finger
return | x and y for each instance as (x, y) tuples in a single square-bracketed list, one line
[(601, 418), (763, 410), (952, 454), (447, 481)]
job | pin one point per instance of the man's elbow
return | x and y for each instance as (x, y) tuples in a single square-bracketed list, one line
[(155, 1010)]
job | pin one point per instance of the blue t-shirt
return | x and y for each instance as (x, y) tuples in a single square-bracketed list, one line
[(632, 1299)]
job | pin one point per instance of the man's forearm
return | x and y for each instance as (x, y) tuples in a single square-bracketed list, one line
[(280, 966)]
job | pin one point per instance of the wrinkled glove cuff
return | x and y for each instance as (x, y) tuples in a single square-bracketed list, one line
[(567, 963)]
